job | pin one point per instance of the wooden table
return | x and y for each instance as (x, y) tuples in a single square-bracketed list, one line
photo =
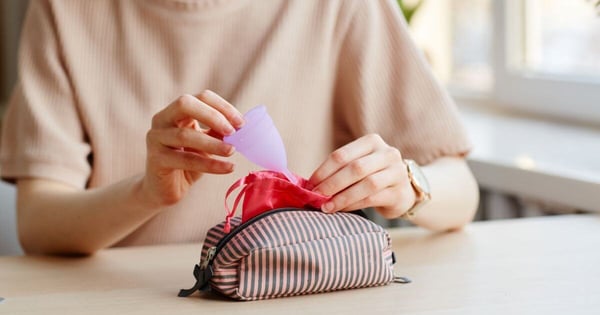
[(545, 265)]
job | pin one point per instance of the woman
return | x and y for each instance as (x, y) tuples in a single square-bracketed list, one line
[(108, 148)]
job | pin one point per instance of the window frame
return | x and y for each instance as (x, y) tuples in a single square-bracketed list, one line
[(567, 96)]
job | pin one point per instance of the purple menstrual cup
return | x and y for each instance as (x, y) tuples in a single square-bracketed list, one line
[(259, 141)]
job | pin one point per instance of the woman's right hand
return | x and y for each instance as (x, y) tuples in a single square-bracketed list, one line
[(179, 151)]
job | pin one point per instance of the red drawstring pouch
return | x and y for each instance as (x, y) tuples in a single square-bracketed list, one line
[(267, 190)]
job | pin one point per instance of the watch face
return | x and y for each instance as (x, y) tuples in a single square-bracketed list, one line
[(418, 177)]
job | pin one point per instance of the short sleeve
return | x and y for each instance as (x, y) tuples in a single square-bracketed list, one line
[(42, 134), (384, 86)]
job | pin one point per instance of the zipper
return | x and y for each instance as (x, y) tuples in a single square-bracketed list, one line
[(213, 251), (204, 271), (209, 256)]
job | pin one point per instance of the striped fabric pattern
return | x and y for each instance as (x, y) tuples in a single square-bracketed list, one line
[(300, 252)]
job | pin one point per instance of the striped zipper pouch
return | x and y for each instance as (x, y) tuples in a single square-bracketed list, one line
[(292, 251)]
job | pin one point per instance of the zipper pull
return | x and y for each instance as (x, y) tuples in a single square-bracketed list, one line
[(203, 273), (402, 280), (210, 253)]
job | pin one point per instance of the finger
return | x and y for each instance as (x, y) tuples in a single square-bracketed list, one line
[(354, 171), (223, 106), (214, 134), (166, 158), (344, 155), (190, 140), (188, 106), (188, 123), (364, 189), (380, 199)]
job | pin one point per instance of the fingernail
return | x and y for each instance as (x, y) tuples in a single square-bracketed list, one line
[(229, 130), (229, 150), (238, 121), (328, 207)]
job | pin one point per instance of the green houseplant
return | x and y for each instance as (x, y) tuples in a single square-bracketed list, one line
[(409, 10)]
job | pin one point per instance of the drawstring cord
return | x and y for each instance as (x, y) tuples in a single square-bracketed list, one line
[(238, 198)]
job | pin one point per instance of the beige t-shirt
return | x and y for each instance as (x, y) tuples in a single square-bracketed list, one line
[(92, 74)]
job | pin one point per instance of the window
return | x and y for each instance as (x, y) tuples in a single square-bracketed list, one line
[(540, 65), (540, 56), (471, 50), (561, 38)]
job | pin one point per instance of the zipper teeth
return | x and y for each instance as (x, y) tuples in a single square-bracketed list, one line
[(240, 227)]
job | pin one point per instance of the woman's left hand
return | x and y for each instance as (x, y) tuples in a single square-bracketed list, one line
[(365, 173)]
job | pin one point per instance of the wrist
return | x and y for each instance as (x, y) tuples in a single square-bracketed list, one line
[(142, 194), (419, 186), (408, 199), (405, 198)]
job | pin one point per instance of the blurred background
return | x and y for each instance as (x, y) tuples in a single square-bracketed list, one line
[(525, 75), (11, 17), (470, 42)]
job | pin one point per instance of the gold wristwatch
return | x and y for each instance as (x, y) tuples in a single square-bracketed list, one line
[(420, 185)]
